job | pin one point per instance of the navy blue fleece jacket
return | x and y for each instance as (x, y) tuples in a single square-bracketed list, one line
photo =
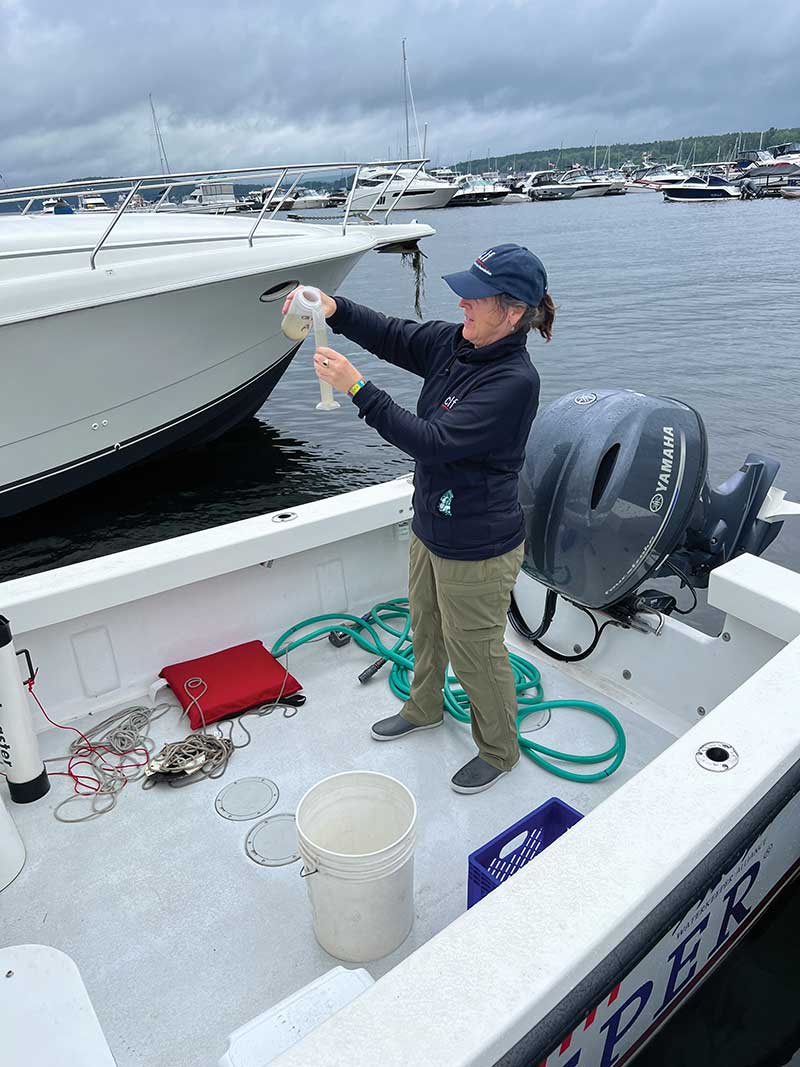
[(468, 437)]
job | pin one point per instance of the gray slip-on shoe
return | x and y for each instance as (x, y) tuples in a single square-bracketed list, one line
[(476, 776), (396, 726)]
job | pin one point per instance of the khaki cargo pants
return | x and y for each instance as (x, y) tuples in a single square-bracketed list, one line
[(458, 613)]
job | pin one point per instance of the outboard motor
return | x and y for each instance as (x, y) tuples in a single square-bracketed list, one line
[(614, 492)]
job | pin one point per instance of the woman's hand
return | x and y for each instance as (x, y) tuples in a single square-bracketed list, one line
[(334, 368), (328, 303)]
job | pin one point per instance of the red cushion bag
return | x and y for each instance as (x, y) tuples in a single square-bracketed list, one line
[(227, 682)]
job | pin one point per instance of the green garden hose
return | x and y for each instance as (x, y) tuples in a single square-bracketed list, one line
[(392, 618)]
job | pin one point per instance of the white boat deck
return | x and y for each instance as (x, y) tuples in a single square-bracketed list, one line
[(180, 937)]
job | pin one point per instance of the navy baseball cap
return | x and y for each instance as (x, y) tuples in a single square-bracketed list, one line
[(509, 269)]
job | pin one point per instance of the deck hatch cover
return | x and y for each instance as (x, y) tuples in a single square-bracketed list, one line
[(246, 798), (273, 842)]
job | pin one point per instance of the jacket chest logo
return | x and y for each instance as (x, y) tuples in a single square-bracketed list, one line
[(449, 403)]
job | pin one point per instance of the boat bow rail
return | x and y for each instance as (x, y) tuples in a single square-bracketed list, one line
[(102, 257), (130, 189)]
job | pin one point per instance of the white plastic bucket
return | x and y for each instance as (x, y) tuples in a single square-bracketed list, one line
[(357, 835)]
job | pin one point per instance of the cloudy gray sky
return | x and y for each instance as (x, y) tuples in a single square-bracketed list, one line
[(245, 83)]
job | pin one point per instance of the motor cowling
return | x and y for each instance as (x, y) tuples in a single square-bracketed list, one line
[(610, 483), (614, 491)]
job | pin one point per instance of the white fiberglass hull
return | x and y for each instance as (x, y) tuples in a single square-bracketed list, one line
[(590, 190), (112, 365), (310, 203), (414, 199)]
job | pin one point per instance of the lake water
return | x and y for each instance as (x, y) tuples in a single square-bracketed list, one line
[(695, 301)]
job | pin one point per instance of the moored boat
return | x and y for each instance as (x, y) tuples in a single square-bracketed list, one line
[(580, 955), (381, 189), (129, 334), (702, 189), (475, 192)]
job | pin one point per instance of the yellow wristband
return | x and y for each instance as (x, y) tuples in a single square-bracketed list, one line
[(358, 385)]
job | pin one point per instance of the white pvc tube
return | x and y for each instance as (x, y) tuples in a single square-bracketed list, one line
[(326, 401), (305, 312), (20, 759)]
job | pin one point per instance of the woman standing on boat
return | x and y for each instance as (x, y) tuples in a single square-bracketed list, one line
[(468, 437)]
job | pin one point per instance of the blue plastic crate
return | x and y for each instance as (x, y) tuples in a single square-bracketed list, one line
[(493, 863)]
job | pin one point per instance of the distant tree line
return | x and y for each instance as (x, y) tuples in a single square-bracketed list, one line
[(705, 149)]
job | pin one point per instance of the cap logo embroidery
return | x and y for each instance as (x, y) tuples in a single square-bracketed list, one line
[(480, 262)]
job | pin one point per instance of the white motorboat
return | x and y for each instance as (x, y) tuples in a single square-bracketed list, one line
[(91, 201), (702, 189), (444, 174), (612, 181), (279, 199), (578, 957), (658, 177), (122, 337), (475, 192), (788, 152), (546, 185), (584, 185), (515, 195), (310, 200), (400, 189), (210, 198), (791, 191), (574, 185)]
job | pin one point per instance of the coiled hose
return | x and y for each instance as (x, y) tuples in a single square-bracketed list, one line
[(393, 618)]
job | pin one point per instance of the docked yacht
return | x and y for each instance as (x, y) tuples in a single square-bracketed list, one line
[(472, 191), (210, 198), (400, 189), (92, 202), (444, 174), (575, 184), (702, 189), (658, 177), (788, 152), (612, 181), (547, 185), (310, 200), (126, 335), (584, 184), (558, 920)]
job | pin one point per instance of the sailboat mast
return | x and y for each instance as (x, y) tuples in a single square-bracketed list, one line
[(162, 151), (405, 97)]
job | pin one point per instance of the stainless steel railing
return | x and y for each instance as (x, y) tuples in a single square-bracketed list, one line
[(133, 186)]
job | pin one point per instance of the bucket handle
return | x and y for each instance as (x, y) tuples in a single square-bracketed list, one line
[(305, 874)]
